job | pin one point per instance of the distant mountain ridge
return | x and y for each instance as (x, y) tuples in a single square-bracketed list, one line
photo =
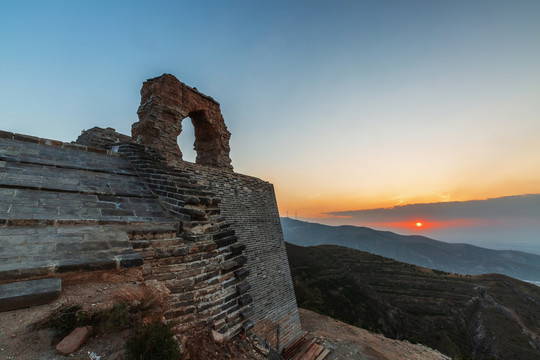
[(415, 249), (481, 317)]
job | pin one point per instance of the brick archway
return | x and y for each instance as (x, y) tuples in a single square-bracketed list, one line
[(165, 102)]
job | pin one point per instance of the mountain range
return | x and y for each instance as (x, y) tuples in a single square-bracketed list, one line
[(466, 317), (417, 250)]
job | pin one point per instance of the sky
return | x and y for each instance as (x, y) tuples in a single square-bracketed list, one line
[(343, 105), (510, 222)]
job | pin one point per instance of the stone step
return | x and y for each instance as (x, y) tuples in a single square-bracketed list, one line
[(54, 204), (172, 242), (170, 180), (46, 177), (152, 231), (29, 293), (69, 156), (160, 243), (29, 251)]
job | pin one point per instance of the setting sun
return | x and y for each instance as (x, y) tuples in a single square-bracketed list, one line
[(419, 224)]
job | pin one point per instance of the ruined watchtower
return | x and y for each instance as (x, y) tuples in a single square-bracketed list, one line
[(208, 237), (165, 102)]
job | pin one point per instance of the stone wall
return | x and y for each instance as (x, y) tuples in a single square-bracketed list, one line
[(249, 204), (99, 137), (203, 266)]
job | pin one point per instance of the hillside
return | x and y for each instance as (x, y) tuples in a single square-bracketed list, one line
[(478, 317), (351, 343), (418, 250)]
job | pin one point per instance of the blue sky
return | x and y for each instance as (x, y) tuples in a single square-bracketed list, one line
[(343, 105)]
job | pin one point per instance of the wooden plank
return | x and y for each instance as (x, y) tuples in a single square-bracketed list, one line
[(323, 354), (312, 353), (305, 348), (292, 349)]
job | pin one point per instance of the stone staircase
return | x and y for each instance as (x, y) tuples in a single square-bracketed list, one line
[(184, 197), (71, 208), (66, 208), (202, 262)]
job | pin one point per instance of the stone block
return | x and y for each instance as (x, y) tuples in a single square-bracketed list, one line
[(243, 287), (25, 269), (6, 135), (130, 260), (245, 300), (29, 293), (237, 248), (26, 138), (247, 313), (226, 241), (223, 234), (241, 274), (85, 264), (74, 340), (240, 261), (228, 265), (248, 325)]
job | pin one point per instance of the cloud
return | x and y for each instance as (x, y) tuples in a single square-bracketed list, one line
[(511, 222), (503, 208)]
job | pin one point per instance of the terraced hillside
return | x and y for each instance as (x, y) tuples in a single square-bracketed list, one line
[(465, 317)]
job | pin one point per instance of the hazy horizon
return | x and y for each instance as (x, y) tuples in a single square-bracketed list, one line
[(505, 223)]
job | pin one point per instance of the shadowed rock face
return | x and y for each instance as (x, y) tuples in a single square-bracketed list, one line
[(165, 102)]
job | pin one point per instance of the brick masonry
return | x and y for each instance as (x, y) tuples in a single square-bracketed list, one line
[(203, 266), (215, 240), (249, 204)]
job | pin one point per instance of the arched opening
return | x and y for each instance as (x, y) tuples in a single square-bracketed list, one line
[(186, 141), (165, 103)]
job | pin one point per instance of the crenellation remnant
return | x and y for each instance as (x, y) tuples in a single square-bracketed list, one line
[(165, 102)]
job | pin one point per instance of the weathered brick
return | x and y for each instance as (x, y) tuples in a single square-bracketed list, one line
[(241, 274), (245, 300), (248, 325), (237, 248), (246, 313), (243, 287)]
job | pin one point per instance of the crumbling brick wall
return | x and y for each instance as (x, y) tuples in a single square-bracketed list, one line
[(249, 204), (165, 103), (100, 138)]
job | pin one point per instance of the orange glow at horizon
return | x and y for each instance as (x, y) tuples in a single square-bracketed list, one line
[(308, 203), (428, 225)]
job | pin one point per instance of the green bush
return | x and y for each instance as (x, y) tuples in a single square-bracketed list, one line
[(64, 320), (116, 317), (154, 341)]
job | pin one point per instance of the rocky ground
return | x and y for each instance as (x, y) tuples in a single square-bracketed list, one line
[(351, 343), (345, 341), (19, 339)]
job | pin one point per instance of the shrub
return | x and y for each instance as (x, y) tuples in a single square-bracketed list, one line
[(154, 341), (116, 317), (64, 320)]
